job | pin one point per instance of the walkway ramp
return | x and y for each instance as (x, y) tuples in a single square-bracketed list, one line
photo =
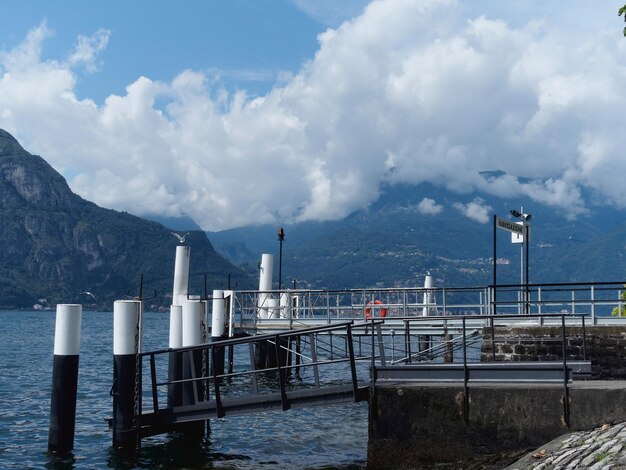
[(308, 369), (164, 420)]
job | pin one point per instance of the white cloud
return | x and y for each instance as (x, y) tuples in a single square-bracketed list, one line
[(475, 210), (410, 91), (87, 49), (428, 206)]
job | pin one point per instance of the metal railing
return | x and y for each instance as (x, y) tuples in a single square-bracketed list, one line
[(441, 365), (308, 366), (292, 309)]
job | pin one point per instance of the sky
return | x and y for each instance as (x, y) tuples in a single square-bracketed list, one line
[(239, 112)]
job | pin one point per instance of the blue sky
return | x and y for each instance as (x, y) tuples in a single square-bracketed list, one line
[(244, 43), (236, 112)]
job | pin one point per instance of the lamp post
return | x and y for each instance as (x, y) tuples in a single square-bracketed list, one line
[(281, 239)]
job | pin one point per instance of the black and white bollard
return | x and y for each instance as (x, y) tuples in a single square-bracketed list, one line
[(263, 353), (179, 296), (126, 380), (64, 378), (175, 359), (194, 362), (194, 334)]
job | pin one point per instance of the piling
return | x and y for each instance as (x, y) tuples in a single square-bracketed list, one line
[(179, 296), (181, 275), (264, 354), (194, 362), (64, 378), (175, 359), (126, 373), (266, 270)]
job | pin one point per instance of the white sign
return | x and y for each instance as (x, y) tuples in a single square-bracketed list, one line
[(510, 226), (516, 237)]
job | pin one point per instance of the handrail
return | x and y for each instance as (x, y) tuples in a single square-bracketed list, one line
[(255, 338), (214, 380), (466, 364)]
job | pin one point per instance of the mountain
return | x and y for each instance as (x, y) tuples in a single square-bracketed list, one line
[(57, 245), (394, 242)]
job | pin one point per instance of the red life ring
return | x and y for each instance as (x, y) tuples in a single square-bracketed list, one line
[(368, 314)]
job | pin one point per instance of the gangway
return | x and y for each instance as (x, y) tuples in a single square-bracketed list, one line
[(305, 373)]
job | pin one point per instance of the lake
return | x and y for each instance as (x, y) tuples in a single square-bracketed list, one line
[(328, 437)]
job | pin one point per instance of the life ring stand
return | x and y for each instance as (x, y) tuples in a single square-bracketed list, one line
[(368, 309)]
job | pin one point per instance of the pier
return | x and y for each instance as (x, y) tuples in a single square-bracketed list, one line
[(437, 365)]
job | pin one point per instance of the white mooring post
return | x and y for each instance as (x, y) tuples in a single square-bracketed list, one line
[(179, 296), (266, 271), (64, 378), (194, 334), (126, 346), (217, 316), (174, 360), (181, 275), (429, 300)]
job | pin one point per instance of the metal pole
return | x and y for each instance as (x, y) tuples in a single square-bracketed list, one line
[(493, 297), (527, 245), (281, 238), (521, 291), (593, 305), (566, 408), (465, 377)]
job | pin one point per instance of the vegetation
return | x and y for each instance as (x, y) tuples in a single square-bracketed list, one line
[(620, 12), (620, 311)]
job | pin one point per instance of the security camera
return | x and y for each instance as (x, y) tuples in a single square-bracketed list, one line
[(527, 217)]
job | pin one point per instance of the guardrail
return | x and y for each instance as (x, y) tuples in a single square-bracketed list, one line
[(304, 308), (466, 370), (208, 393)]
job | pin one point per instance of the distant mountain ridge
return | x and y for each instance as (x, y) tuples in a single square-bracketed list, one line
[(57, 245), (393, 243)]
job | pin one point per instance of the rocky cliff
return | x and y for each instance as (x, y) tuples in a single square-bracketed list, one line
[(56, 245)]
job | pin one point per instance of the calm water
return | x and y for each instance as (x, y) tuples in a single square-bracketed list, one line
[(313, 438)]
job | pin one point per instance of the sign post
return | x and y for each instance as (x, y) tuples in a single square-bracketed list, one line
[(520, 233)]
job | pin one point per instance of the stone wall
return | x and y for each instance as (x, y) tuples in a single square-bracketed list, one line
[(422, 426), (605, 346)]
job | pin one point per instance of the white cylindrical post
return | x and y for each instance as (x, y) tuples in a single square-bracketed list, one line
[(194, 322), (64, 378), (428, 295), (176, 326), (181, 275), (179, 295), (194, 334), (126, 345), (266, 271), (217, 315), (126, 326)]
